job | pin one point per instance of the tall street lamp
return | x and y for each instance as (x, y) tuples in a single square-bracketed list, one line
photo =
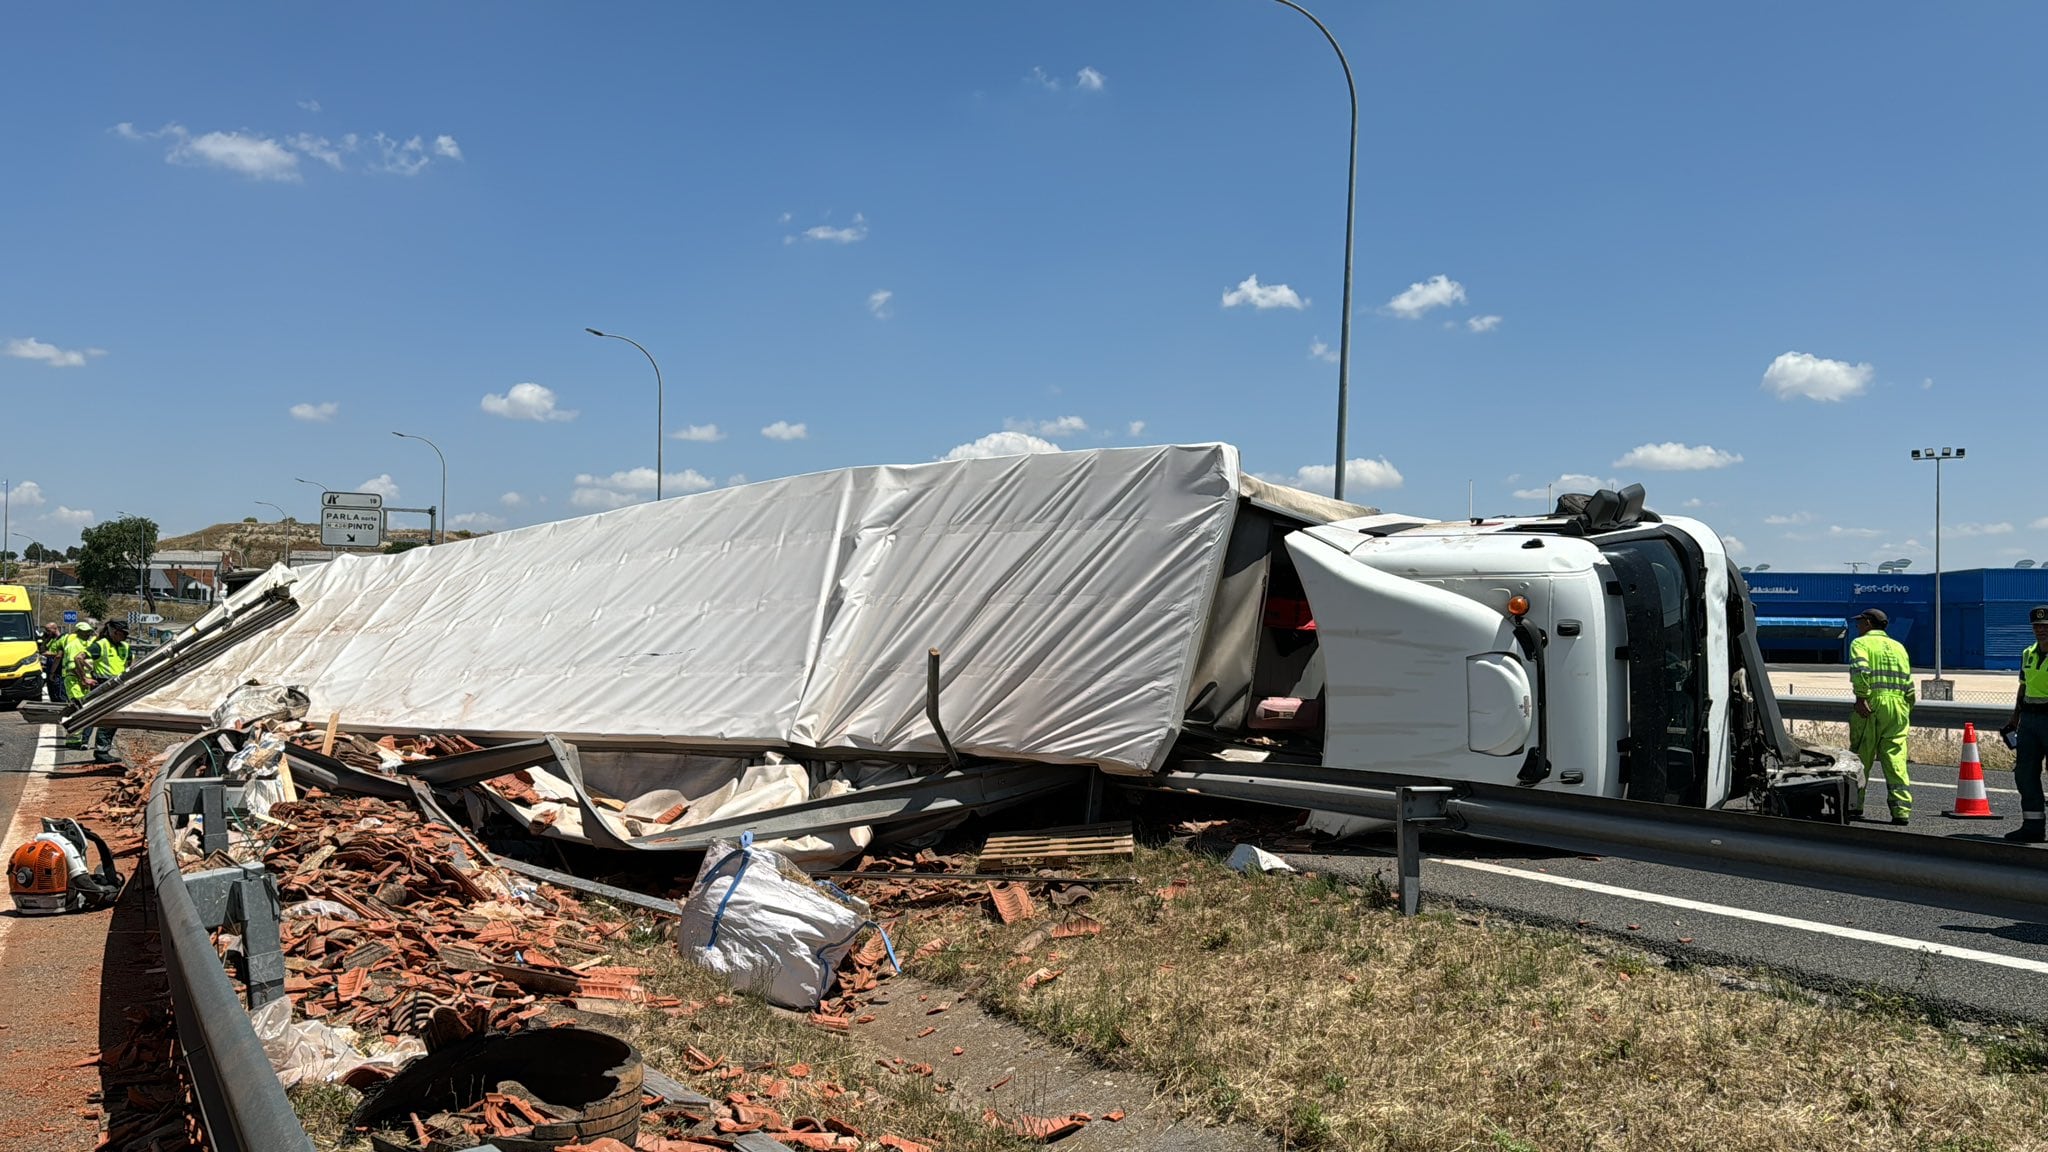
[(1350, 216), (323, 491), (1938, 688), (442, 518), (142, 553), (658, 403), (285, 555)]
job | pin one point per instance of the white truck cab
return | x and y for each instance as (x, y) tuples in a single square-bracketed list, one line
[(1600, 650)]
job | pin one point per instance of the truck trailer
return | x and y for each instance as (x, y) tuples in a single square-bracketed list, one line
[(769, 655)]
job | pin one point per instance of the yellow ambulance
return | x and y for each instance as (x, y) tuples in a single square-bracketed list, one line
[(21, 655)]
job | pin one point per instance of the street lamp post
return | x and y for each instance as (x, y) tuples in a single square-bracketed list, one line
[(441, 517), (323, 490), (141, 559), (1937, 688), (285, 554), (658, 406), (1350, 218)]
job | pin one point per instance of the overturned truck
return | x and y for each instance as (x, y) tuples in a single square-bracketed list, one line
[(816, 657)]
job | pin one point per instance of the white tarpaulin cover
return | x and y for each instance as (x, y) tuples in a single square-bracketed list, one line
[(1068, 593)]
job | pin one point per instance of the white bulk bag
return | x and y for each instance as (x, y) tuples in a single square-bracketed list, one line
[(760, 922)]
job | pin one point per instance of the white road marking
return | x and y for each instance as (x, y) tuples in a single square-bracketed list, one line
[(1842, 931), (1951, 787), (28, 810)]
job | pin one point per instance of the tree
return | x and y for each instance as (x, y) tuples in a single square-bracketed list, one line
[(115, 556), (397, 546), (93, 603)]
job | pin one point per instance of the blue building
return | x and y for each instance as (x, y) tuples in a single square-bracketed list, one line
[(1803, 617)]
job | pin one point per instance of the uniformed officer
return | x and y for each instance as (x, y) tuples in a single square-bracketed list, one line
[(77, 670), (2030, 720), (110, 654), (1882, 677)]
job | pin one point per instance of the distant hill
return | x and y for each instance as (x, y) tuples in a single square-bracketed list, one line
[(261, 542)]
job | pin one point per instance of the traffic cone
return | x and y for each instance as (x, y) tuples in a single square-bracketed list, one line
[(1971, 801)]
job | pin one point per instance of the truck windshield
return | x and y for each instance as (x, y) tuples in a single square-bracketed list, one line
[(1666, 748), (16, 626)]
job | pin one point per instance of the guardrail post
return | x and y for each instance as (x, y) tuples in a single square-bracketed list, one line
[(256, 899), (206, 797), (1415, 806)]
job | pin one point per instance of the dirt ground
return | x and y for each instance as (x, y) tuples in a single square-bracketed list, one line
[(68, 983)]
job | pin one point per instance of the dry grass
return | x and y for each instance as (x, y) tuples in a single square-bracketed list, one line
[(1923, 745), (1312, 1010)]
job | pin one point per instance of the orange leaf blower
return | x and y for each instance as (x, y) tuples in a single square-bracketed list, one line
[(49, 874)]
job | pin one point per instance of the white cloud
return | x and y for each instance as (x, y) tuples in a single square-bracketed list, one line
[(2040, 525), (527, 401), (262, 157), (1317, 350), (1137, 427), (1999, 529), (1694, 502), (1927, 384), (1358, 474), (1263, 296), (1840, 533), (257, 157), (1778, 518), (1049, 83), (309, 105), (783, 219), (878, 303), (476, 520), (1482, 323), (700, 433), (512, 500), (27, 492), (784, 430), (1734, 545), (1010, 443), (1050, 429), (1089, 80), (1798, 374), (1672, 456), (852, 233), (34, 349), (382, 484), (632, 486), (1569, 482), (1423, 295), (319, 413), (76, 517)]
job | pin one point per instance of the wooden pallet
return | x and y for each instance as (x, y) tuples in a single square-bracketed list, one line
[(1081, 842)]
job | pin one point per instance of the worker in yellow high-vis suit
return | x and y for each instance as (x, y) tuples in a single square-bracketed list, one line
[(1882, 678)]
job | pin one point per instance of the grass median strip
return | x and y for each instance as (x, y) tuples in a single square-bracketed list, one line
[(1309, 1008)]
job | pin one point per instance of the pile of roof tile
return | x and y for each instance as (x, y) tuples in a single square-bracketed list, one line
[(439, 947), (373, 755)]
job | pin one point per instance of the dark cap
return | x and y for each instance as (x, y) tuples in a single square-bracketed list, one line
[(2038, 615), (121, 624), (1876, 617)]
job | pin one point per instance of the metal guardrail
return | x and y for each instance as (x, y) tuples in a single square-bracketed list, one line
[(241, 1103), (1995, 879), (1926, 714)]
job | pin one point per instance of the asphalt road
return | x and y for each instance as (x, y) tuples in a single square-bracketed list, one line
[(1970, 965)]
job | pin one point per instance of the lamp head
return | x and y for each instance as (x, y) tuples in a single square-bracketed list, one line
[(593, 331)]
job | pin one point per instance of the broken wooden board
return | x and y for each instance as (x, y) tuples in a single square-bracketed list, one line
[(1080, 842)]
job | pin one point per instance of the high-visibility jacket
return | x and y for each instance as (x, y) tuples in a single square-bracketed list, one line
[(2034, 674), (1878, 663), (108, 658), (70, 647)]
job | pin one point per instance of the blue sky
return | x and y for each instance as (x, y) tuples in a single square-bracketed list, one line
[(1748, 255)]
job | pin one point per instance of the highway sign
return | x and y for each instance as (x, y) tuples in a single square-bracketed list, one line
[(351, 527), (70, 618), (351, 500)]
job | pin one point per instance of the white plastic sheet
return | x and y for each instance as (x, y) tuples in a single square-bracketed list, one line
[(760, 922), (1068, 593)]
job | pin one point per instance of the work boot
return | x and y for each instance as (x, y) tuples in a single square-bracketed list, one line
[(2029, 832)]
